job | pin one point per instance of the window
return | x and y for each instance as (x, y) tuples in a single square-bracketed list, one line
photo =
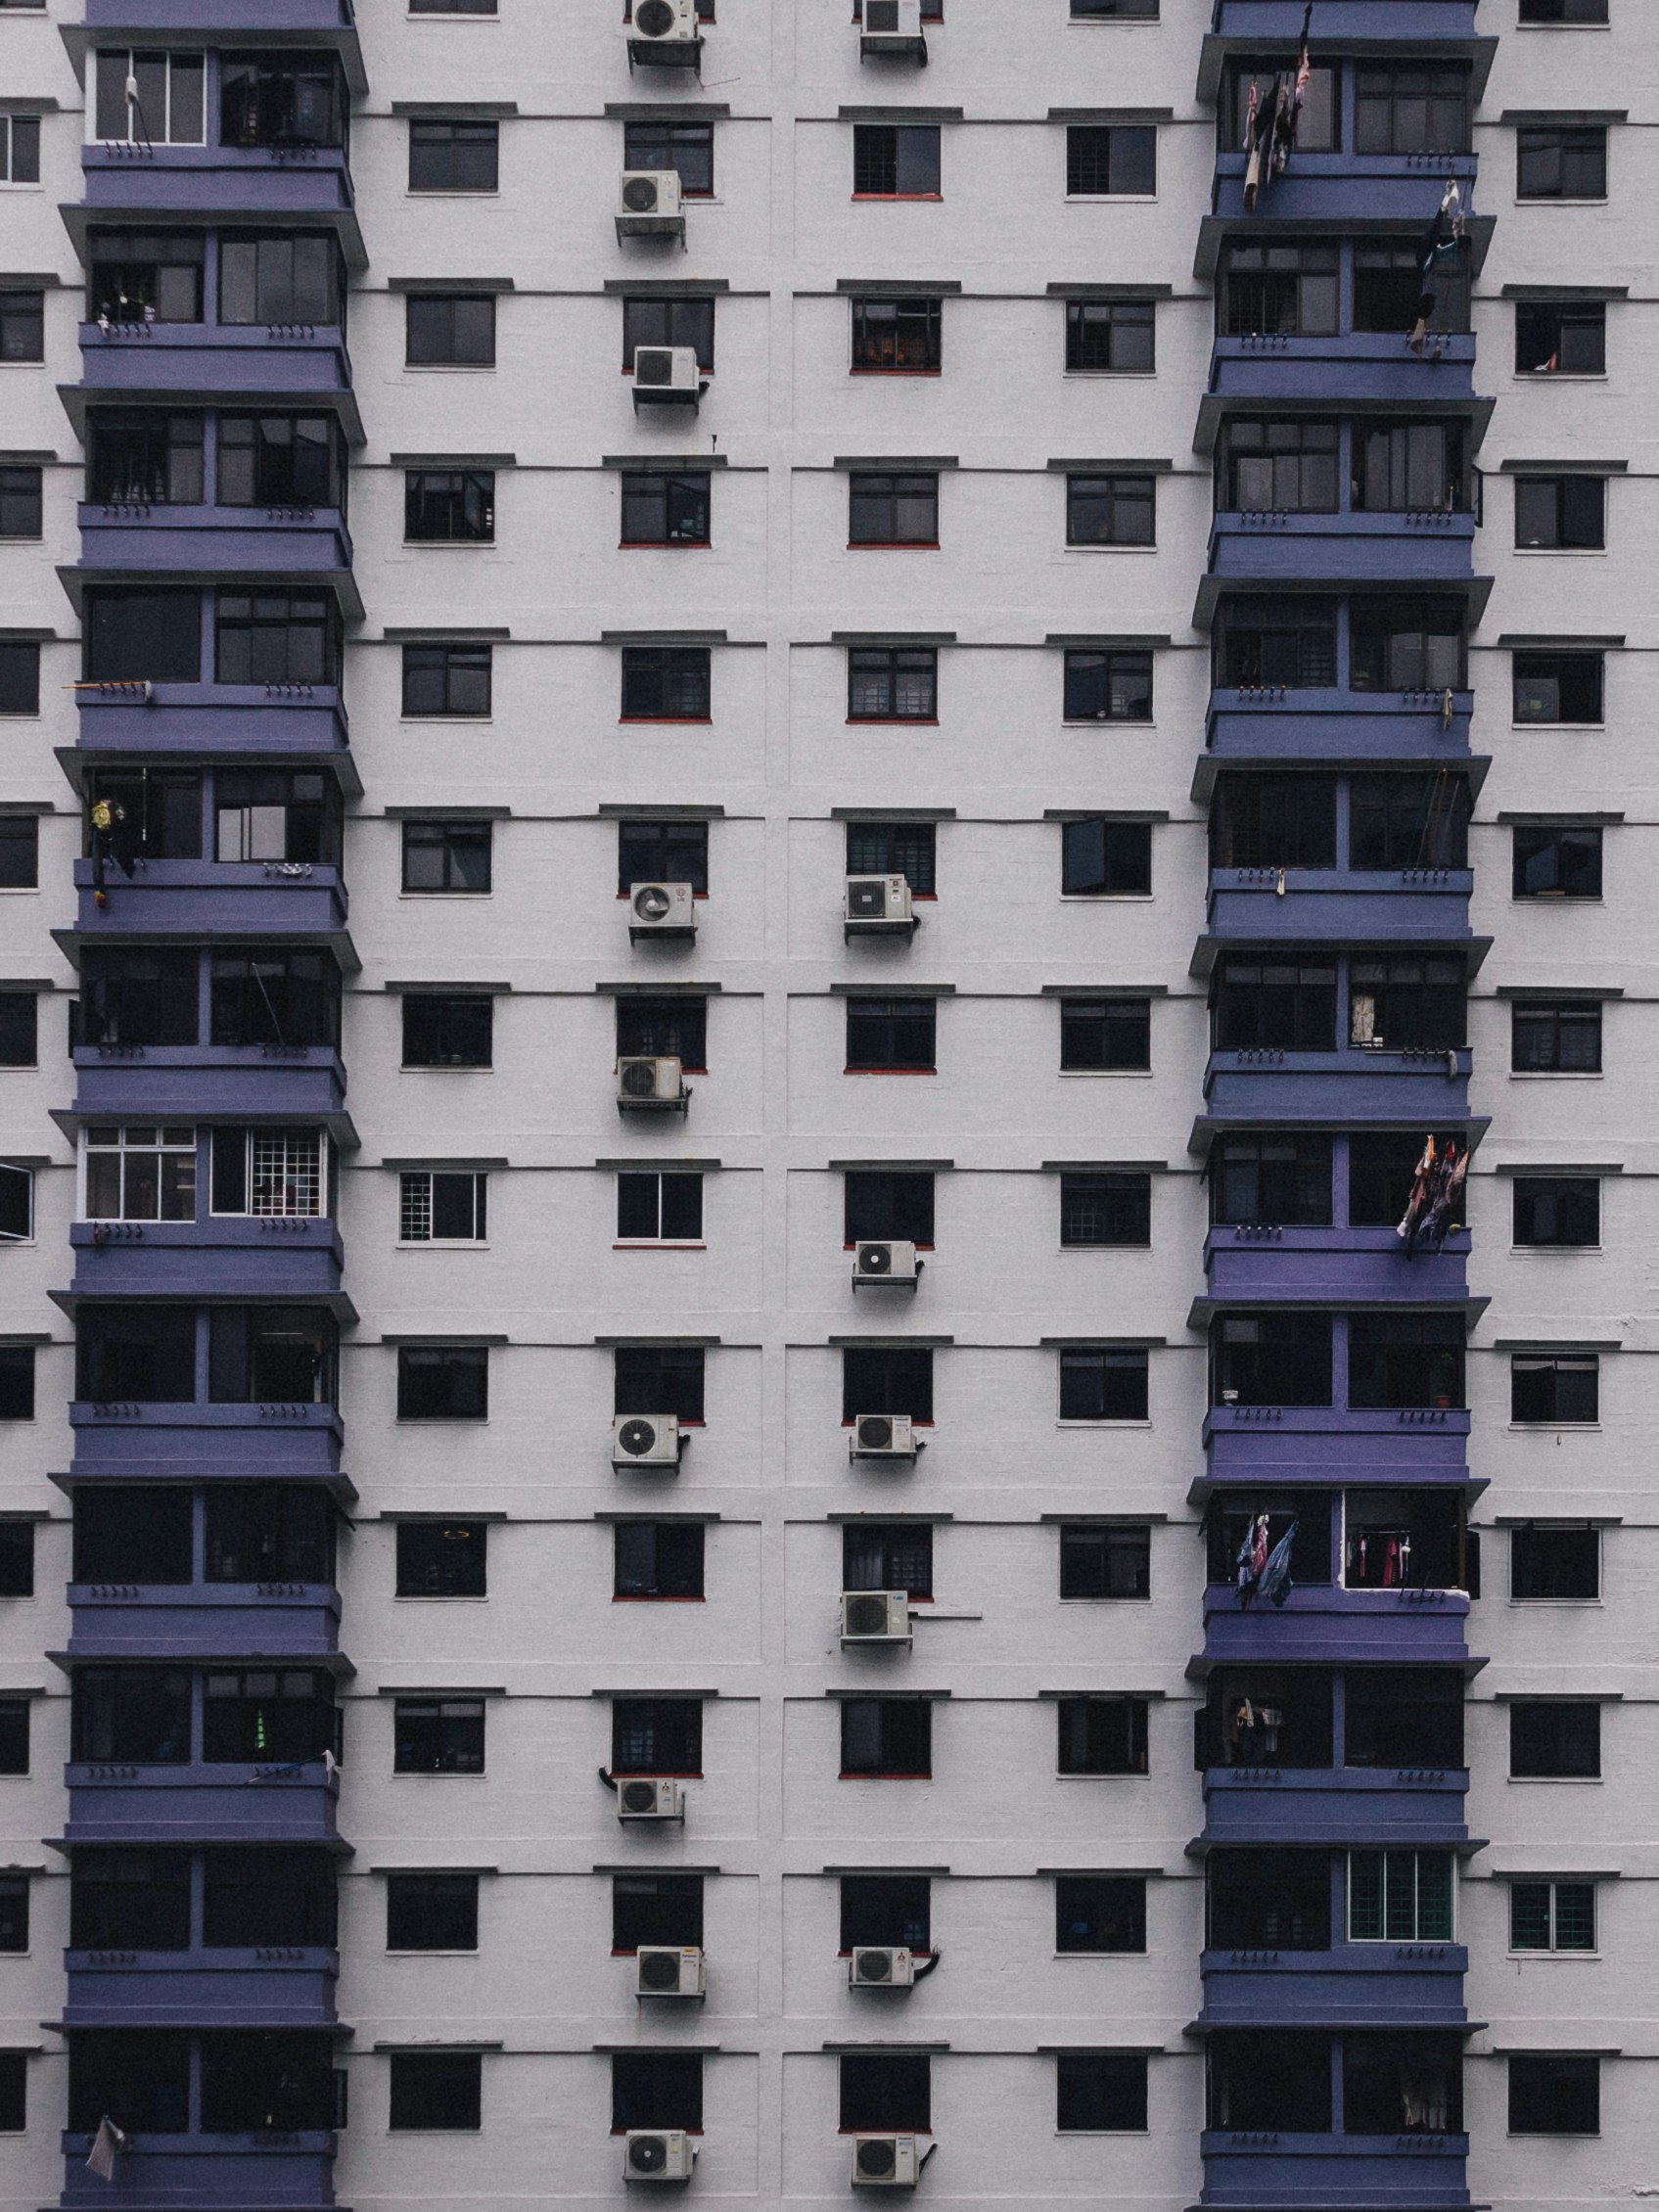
[(896, 161), (886, 1379), (135, 277), (1563, 11), (265, 1713), (1554, 2096), (1557, 1210), (449, 678), (1109, 338), (13, 2091), (659, 1208), (19, 149), (281, 100), (14, 1735), (280, 998), (437, 1736), (1561, 161), (657, 1735), (276, 637), (891, 683), (669, 322), (672, 851), (1113, 11), (264, 1171), (270, 1354), (1557, 860), (1551, 1739), (23, 325), (656, 2089), (129, 1900), (1553, 1916), (1098, 1562), (1407, 1005), (886, 1908), (1110, 510), (452, 7), (137, 635), (888, 1202), (1560, 514), (268, 1898), (1399, 1897), (1405, 822), (647, 1909), (1554, 1560), (443, 1558), (151, 458), (1116, 160), (14, 1916), (663, 509), (432, 2090), (1102, 1736), (446, 856), (1404, 1717), (1277, 644), (442, 1382), (17, 1382), (887, 1736), (1405, 1359), (449, 330), (1100, 2092), (1287, 291), (281, 277), (20, 678), (1273, 1900), (675, 1029), (432, 1913), (1318, 127), (658, 1378), (1556, 1387), (1405, 645), (902, 337), (665, 683), (450, 506), (894, 848), (888, 1555), (259, 815), (1283, 1180), (142, 1173), (17, 1558), (888, 509), (147, 1353), (1099, 1385), (1277, 467), (1103, 857), (1105, 1207), (887, 1035), (657, 1559), (1108, 687), (17, 1204), (256, 1532), (447, 1033), (1110, 1035), (168, 107), (1555, 1038), (1389, 289), (20, 495), (1558, 687), (1561, 338), (454, 157), (1099, 1913), (686, 148), (1411, 108), (1270, 1360), (1401, 467)]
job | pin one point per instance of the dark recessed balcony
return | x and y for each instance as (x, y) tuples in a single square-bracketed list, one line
[(275, 1620), (1322, 1444), (264, 184), (236, 363), (289, 1256), (212, 544), (1405, 2173), (1338, 192), (1358, 369), (1272, 726), (211, 902), (276, 1801), (257, 1986), (1297, 551)]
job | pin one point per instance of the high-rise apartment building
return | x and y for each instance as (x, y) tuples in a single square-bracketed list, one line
[(826, 1013)]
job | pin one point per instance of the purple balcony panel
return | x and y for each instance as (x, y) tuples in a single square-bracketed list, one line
[(225, 1256), (278, 724), (1419, 1806), (1326, 1625), (1364, 368), (1312, 1267), (247, 2173), (1311, 729), (264, 184), (1335, 1446), (203, 1621), (1411, 907), (208, 901), (1278, 551), (1340, 191), (234, 364), (1395, 1985), (199, 1804), (156, 1442), (277, 1986), (1355, 1088), (237, 19), (227, 1083), (1341, 22), (293, 545), (1404, 2173)]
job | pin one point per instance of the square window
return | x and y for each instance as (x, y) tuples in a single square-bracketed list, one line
[(1561, 161), (1099, 1913), (1110, 510), (13, 2091), (1102, 1736), (450, 506), (20, 492), (442, 1382), (1399, 1897), (19, 149), (14, 1735), (888, 1202), (886, 1910), (658, 1378), (1558, 687), (1098, 1562), (1557, 861), (1553, 1916), (447, 678), (886, 2092), (1111, 159), (432, 1913), (443, 1558), (1560, 513), (655, 1909), (887, 1035), (1555, 1038), (661, 507), (895, 848), (686, 148), (669, 322), (1561, 338), (1104, 858), (1555, 1740), (1105, 1208), (665, 683), (450, 330), (1557, 1390), (1109, 338), (20, 678), (657, 1735), (659, 1208), (887, 1736), (673, 1029), (448, 857), (437, 1736), (16, 1205), (888, 1555), (20, 851), (13, 1913), (661, 1559), (22, 326), (17, 1380), (447, 1033), (885, 508), (903, 337), (1105, 1034), (1108, 687), (436, 2090), (896, 161), (1557, 1210), (454, 157), (886, 1379), (1555, 1559), (17, 1558), (656, 2089), (891, 683), (668, 852), (1554, 2096), (1097, 1385), (1100, 2092)]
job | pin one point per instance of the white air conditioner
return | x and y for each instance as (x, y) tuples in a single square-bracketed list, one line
[(885, 2162), (878, 907), (658, 2154), (648, 205), (881, 1966), (665, 376), (650, 1085), (663, 33), (661, 910), (883, 1436), (875, 1616), (645, 1440), (649, 1797), (893, 29), (670, 1969), (886, 1263)]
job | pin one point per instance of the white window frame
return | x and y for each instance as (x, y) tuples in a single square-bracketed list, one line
[(122, 1148), (26, 1236), (476, 1177), (251, 1212)]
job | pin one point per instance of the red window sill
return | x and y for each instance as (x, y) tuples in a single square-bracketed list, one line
[(872, 372)]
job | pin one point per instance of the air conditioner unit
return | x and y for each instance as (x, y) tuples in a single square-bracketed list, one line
[(878, 907), (665, 376), (661, 910), (663, 33), (883, 1436), (875, 1616), (885, 2162), (887, 1263), (645, 1440), (893, 30), (647, 1085), (648, 205), (649, 1797), (881, 1966), (658, 2154), (670, 1969)]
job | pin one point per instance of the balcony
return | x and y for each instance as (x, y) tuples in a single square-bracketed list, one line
[(1330, 1625), (208, 901), (138, 1441), (1328, 906), (274, 1620), (286, 2171), (269, 1803), (285, 1256), (1402, 2173), (1266, 1265), (1358, 369), (1432, 24), (1354, 1087), (264, 184), (1272, 727), (1399, 1986), (232, 1083), (1337, 192), (238, 364), (1300, 551), (330, 23), (126, 539), (254, 722), (1306, 1806), (259, 1986), (1322, 1444)]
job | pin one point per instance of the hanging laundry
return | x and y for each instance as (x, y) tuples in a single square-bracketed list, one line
[(1252, 1559), (101, 2159), (1259, 141), (1275, 1583), (1440, 242)]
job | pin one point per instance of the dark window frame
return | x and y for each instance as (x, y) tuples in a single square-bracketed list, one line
[(449, 330)]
